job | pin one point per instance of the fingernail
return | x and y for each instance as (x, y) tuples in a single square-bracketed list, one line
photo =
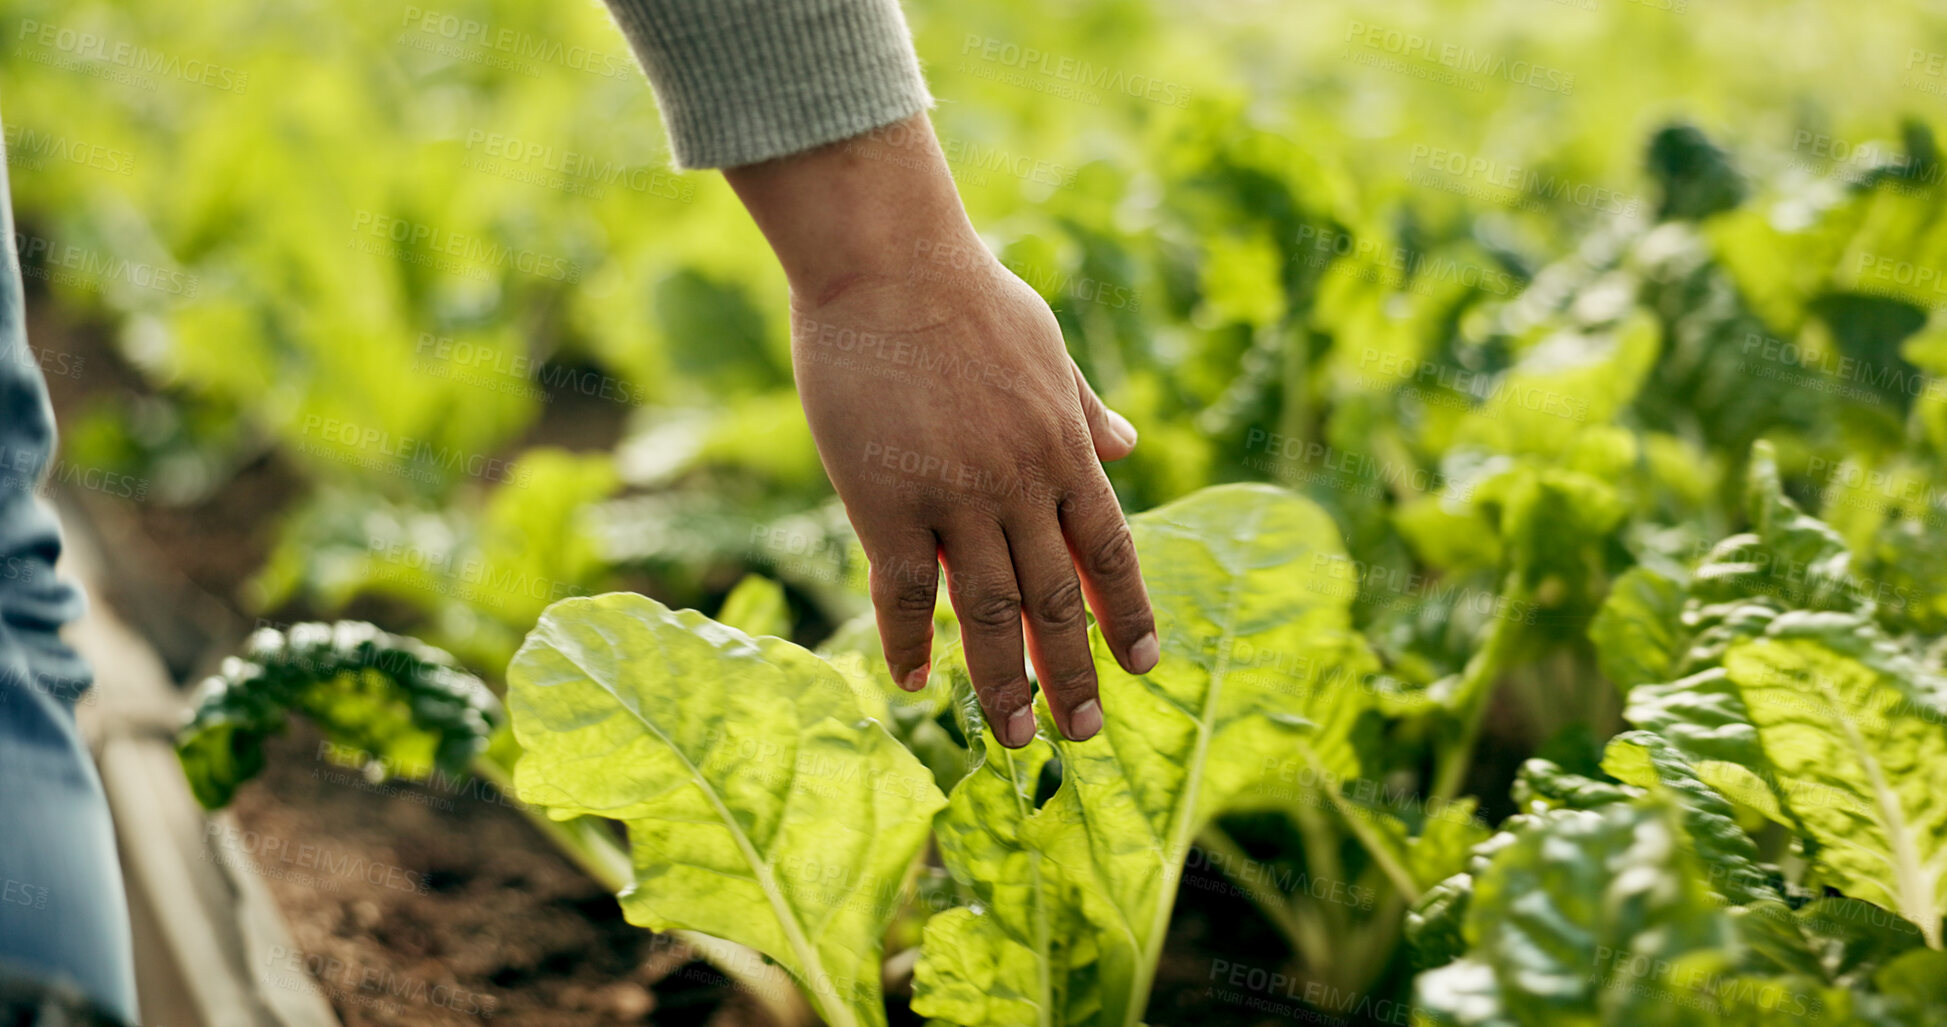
[(1085, 721), (915, 679), (1144, 654), (1020, 727), (1122, 429)]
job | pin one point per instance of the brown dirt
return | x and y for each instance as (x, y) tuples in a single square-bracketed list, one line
[(440, 905)]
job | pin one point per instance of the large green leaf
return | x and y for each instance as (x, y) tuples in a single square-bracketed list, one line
[(1858, 750), (1252, 705), (761, 805)]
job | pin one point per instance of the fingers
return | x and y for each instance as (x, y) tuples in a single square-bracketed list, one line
[(980, 581), (1051, 598), (1114, 436), (1098, 539), (904, 581)]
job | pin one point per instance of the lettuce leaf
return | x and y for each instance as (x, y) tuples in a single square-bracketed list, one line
[(762, 807), (1253, 705), (1855, 748), (1584, 917)]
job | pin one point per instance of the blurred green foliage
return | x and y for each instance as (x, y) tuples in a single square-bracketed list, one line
[(1510, 290), (1370, 253)]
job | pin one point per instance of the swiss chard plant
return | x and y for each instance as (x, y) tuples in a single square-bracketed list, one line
[(767, 801), (1766, 844), (1770, 843)]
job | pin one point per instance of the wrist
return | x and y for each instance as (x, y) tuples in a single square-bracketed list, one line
[(866, 211)]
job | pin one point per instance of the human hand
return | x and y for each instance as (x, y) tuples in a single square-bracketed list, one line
[(954, 427)]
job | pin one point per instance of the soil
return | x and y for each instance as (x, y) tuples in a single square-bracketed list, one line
[(440, 905), (433, 906)]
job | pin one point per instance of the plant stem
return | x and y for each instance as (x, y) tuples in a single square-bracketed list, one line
[(1388, 859), (587, 843), (1301, 931), (1476, 687)]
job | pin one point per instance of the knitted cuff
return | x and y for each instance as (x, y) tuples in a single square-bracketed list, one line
[(742, 81)]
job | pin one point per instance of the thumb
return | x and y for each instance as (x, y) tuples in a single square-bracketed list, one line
[(1114, 436)]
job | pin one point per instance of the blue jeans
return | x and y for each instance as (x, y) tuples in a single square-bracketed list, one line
[(63, 917)]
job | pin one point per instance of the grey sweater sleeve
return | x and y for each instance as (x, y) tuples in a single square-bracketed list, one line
[(742, 81)]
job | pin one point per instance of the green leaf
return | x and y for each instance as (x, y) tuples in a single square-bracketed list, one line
[(1710, 823), (1540, 786), (1798, 558), (1253, 705), (1857, 750), (1584, 917), (756, 606), (1022, 954), (1637, 633), (1840, 941), (1256, 696), (1696, 177), (399, 703), (1445, 841), (761, 806)]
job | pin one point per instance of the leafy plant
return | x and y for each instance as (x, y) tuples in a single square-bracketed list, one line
[(737, 762), (401, 703), (1649, 901)]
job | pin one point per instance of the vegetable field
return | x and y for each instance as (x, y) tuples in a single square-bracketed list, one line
[(1542, 492)]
